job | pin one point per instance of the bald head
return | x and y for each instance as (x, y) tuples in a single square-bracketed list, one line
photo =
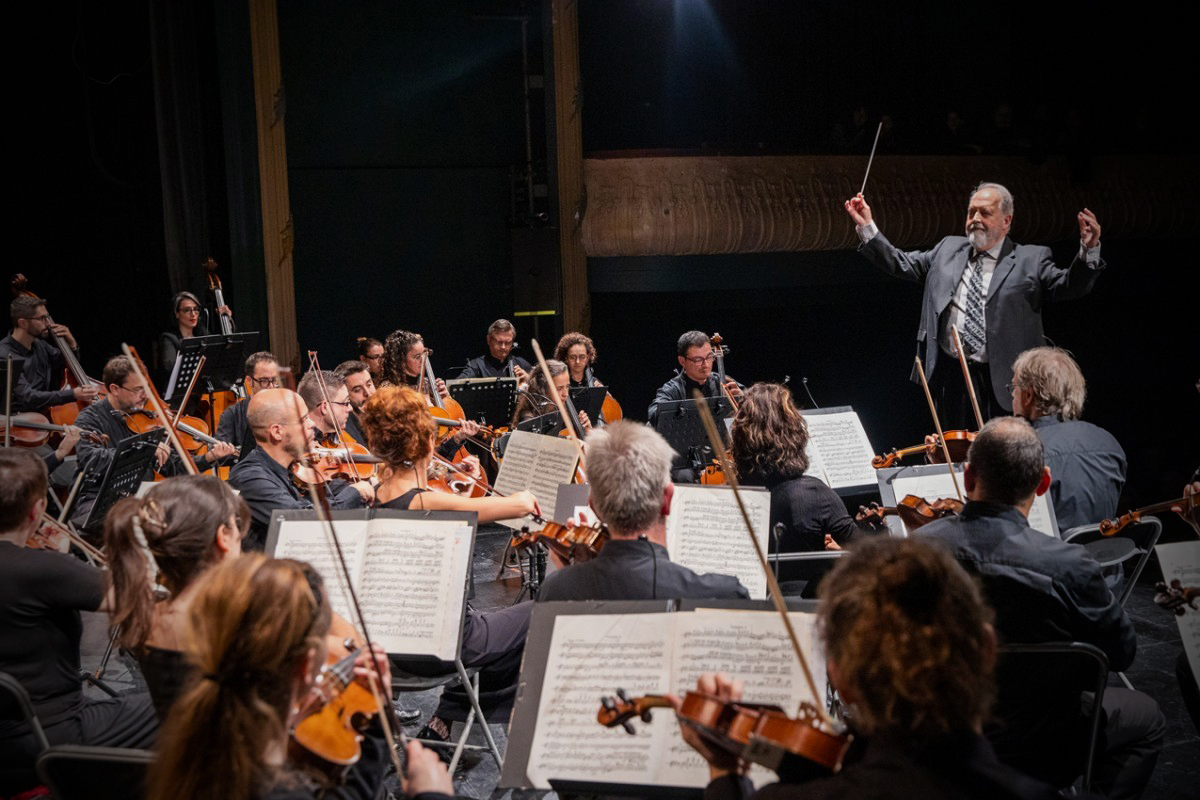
[(1006, 462), (273, 407)]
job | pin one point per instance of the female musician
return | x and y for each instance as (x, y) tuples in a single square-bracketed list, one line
[(255, 633), (768, 441), (910, 648), (579, 354), (188, 309), (537, 400), (370, 352), (403, 363), (188, 524)]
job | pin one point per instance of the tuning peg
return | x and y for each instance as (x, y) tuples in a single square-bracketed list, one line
[(608, 703), (628, 727), (624, 698), (646, 715)]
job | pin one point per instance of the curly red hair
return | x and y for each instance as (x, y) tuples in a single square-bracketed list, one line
[(398, 426)]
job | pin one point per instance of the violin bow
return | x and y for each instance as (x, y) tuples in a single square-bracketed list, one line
[(321, 506), (962, 359), (74, 538), (315, 365), (937, 423), (714, 438), (139, 369), (562, 409)]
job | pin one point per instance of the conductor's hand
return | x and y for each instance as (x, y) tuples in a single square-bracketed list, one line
[(1089, 229), (860, 212), (727, 690)]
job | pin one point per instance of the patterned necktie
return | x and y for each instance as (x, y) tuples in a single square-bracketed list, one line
[(974, 331)]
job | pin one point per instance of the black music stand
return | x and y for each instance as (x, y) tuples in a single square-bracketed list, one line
[(547, 424), (124, 474), (589, 399), (225, 362), (491, 401), (680, 424)]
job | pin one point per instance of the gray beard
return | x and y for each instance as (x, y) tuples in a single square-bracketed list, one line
[(979, 240)]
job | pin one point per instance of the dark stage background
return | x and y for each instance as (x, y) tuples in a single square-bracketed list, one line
[(406, 126)]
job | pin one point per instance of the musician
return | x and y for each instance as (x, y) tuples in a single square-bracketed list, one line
[(370, 352), (37, 386), (277, 418), (579, 354), (1087, 465), (1045, 590), (536, 399), (41, 595), (401, 431), (988, 288), (188, 309), (356, 377), (327, 415), (108, 416), (188, 524), (767, 443), (262, 372), (910, 647), (499, 361), (696, 358), (403, 363), (256, 632), (629, 470)]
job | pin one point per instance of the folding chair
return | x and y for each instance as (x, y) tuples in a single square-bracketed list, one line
[(403, 681), (1135, 541), (1021, 670), (799, 574), (16, 706), (80, 772)]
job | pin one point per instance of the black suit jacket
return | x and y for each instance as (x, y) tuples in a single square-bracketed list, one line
[(1025, 279)]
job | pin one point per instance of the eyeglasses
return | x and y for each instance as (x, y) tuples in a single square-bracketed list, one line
[(372, 358), (265, 383), (342, 403), (701, 360), (1008, 387), (42, 318), (190, 310), (139, 389), (580, 358)]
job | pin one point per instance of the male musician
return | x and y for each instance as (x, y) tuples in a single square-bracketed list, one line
[(696, 359), (107, 416), (1044, 590), (499, 361), (41, 595), (262, 372), (629, 468), (277, 418), (356, 377), (986, 287), (327, 398), (1086, 462), (37, 386)]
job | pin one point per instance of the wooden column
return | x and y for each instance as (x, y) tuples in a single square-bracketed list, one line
[(273, 180), (576, 305)]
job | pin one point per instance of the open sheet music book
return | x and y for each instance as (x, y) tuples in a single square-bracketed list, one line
[(706, 533), (537, 463), (1181, 560), (408, 568), (839, 453), (591, 655)]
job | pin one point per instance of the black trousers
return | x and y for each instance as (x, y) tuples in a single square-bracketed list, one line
[(949, 390)]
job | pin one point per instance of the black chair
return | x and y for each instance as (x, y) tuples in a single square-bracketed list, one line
[(1048, 710), (80, 772), (799, 574), (405, 682), (16, 710)]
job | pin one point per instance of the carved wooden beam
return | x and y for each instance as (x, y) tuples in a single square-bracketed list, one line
[(692, 205), (568, 121)]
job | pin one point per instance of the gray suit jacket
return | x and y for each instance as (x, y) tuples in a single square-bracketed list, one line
[(1025, 279)]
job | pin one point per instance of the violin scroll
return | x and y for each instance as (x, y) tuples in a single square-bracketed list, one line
[(622, 708)]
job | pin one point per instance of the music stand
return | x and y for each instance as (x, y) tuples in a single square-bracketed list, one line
[(124, 474), (490, 400), (590, 400), (679, 423), (547, 424), (225, 362)]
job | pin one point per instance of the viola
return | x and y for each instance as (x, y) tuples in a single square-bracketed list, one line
[(570, 543), (1111, 527), (756, 732), (913, 511), (31, 429), (957, 442), (339, 711)]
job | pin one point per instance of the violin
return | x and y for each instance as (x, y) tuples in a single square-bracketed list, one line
[(957, 442), (31, 429), (192, 431), (801, 747), (65, 413), (1176, 596), (913, 511), (55, 536), (1111, 527), (570, 543)]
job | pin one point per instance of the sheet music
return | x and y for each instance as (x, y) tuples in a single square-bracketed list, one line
[(844, 451), (409, 575), (592, 656), (705, 532), (1182, 560), (537, 463), (931, 487)]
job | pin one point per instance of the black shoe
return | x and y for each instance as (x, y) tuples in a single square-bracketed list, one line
[(437, 731), (407, 716)]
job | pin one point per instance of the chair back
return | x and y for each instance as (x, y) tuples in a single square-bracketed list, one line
[(80, 772)]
